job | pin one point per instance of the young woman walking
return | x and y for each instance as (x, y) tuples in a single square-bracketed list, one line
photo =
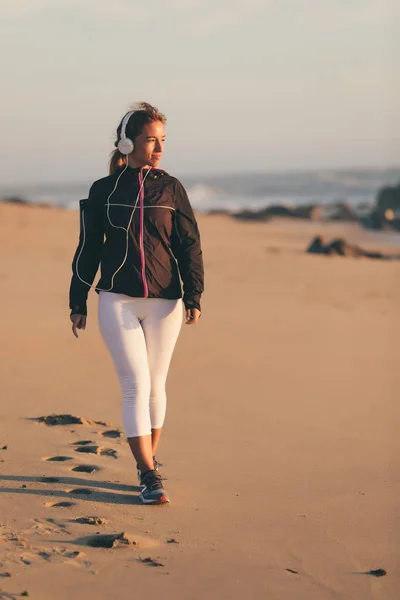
[(139, 226)]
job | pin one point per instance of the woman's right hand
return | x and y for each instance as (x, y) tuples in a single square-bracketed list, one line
[(78, 322)]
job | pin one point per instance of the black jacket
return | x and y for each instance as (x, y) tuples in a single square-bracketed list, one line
[(145, 259)]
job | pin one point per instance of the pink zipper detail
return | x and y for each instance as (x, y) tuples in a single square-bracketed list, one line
[(141, 196)]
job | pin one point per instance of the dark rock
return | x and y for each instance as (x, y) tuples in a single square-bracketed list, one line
[(340, 247), (381, 221), (317, 245), (343, 212), (376, 573), (278, 210), (386, 214), (305, 211), (388, 198), (14, 200), (373, 573), (218, 211), (252, 215), (308, 211)]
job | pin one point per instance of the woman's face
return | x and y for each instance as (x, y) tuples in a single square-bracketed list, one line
[(149, 146)]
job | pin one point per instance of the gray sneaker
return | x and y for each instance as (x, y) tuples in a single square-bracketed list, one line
[(152, 491), (139, 473)]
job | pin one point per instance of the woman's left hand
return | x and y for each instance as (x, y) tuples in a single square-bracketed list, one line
[(192, 316)]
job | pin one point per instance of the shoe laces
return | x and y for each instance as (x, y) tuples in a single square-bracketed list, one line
[(152, 480)]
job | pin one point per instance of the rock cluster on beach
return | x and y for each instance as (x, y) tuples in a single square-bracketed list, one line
[(384, 215), (340, 247)]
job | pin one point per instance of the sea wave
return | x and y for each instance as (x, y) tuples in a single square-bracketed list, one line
[(240, 191)]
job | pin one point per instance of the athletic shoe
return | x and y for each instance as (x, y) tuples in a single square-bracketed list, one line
[(139, 473), (152, 491)]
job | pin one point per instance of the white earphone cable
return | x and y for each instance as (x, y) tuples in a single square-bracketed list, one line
[(112, 225)]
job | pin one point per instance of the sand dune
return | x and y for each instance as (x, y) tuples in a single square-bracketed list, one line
[(280, 446)]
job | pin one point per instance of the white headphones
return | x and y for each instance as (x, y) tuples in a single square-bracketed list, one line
[(125, 145)]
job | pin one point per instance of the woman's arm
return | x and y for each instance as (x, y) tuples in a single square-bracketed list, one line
[(88, 253), (186, 246)]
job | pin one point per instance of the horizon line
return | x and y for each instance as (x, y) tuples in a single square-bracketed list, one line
[(290, 170)]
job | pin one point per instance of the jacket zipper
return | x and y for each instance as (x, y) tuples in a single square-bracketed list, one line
[(145, 288)]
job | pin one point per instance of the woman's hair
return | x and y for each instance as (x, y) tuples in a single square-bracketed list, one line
[(144, 113)]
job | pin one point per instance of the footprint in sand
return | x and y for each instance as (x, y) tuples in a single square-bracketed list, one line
[(111, 433), (63, 504), (151, 562), (86, 469), (68, 420), (112, 540), (48, 526), (98, 450), (52, 554), (57, 458), (90, 520), (7, 596), (18, 540), (117, 540), (33, 554), (82, 443)]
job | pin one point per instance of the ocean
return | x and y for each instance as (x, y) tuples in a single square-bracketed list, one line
[(234, 192)]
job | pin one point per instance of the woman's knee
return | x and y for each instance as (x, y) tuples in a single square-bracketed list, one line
[(157, 389), (135, 390)]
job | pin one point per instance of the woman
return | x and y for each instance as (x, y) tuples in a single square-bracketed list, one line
[(151, 243)]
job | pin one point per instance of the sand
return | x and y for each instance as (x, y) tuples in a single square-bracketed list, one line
[(280, 448)]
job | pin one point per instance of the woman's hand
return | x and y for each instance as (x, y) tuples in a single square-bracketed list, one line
[(192, 316), (78, 322)]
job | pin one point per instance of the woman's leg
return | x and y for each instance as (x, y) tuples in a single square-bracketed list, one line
[(161, 329), (155, 439), (123, 335)]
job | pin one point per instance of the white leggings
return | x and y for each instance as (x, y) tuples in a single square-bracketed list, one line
[(140, 334)]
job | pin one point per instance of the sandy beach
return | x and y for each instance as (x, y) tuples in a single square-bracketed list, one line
[(280, 447)]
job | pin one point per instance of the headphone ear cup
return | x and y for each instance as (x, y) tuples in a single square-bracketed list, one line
[(126, 146)]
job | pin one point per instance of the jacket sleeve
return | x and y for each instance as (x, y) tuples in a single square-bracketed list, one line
[(186, 247), (88, 253)]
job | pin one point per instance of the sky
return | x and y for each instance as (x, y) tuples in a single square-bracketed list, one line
[(246, 85)]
